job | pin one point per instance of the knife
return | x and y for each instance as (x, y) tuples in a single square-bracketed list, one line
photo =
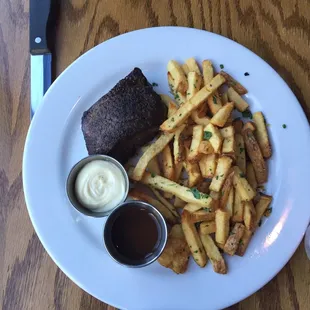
[(41, 56)]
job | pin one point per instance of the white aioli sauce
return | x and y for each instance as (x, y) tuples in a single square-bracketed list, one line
[(100, 186)]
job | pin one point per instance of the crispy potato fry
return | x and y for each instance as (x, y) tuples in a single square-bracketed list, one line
[(229, 146), (230, 202), (256, 156), (167, 100), (226, 189), (178, 75), (168, 164), (165, 202), (202, 215), (184, 193), (249, 125), (250, 175), (186, 109), (216, 138), (179, 97), (172, 108), (193, 240), (214, 254), (233, 83), (205, 120), (139, 195), (179, 203), (205, 147), (242, 186), (220, 118), (244, 242), (224, 98), (192, 65), (178, 168), (207, 165), (194, 81), (227, 132), (238, 125), (207, 71), (240, 152), (233, 240), (249, 215), (238, 209), (222, 226), (149, 154), (193, 171), (194, 154), (190, 207), (222, 169), (261, 206), (262, 134), (207, 228), (178, 146), (214, 103), (153, 166), (215, 195), (185, 69), (240, 104)]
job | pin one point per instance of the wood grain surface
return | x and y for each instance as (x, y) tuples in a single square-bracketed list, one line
[(278, 31)]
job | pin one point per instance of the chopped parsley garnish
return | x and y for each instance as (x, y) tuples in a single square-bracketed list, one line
[(214, 99), (154, 84), (242, 175), (241, 149), (195, 192), (204, 196), (247, 114), (221, 175), (284, 126), (172, 120), (208, 209), (217, 177), (246, 73), (196, 251), (221, 66), (153, 175), (195, 85), (180, 114), (241, 242), (207, 135)]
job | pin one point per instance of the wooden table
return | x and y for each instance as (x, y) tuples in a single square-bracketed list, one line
[(278, 31)]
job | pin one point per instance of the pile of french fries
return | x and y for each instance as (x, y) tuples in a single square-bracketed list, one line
[(224, 160)]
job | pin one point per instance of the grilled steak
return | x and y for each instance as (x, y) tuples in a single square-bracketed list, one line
[(124, 119)]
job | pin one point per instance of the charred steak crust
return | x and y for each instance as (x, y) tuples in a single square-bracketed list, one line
[(124, 119)]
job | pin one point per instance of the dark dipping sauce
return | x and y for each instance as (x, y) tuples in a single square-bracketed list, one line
[(135, 233)]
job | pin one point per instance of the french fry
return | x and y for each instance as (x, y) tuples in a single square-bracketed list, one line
[(249, 215), (178, 146), (214, 254), (233, 83), (230, 202), (261, 206), (204, 120), (192, 65), (193, 171), (194, 81), (153, 166), (190, 207), (249, 125), (240, 152), (242, 186), (238, 125), (207, 71), (179, 97), (172, 108), (262, 134), (185, 69), (168, 164), (179, 203), (149, 154), (225, 192), (187, 132), (207, 165), (240, 104), (167, 100), (178, 168), (193, 240), (207, 228), (139, 195), (222, 169), (194, 154), (202, 215), (165, 202), (220, 118), (238, 209), (233, 240), (184, 193), (227, 132), (205, 147), (250, 175), (178, 75), (244, 242), (256, 156), (222, 226), (224, 98), (214, 103), (229, 146), (186, 109), (215, 139)]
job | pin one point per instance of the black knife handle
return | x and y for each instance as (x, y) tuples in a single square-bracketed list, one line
[(39, 18)]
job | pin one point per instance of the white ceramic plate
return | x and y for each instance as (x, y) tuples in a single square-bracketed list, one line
[(55, 143)]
